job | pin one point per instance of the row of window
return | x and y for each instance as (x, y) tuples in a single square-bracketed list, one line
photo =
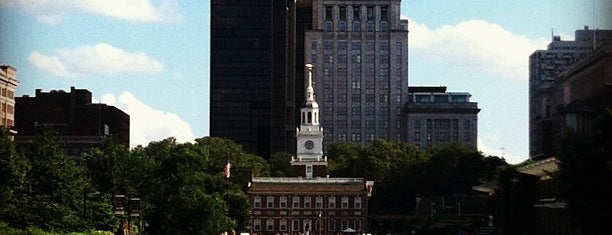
[(354, 13), (443, 136), (282, 202), (443, 124), (305, 225), (328, 45), (6, 122), (5, 92), (8, 108)]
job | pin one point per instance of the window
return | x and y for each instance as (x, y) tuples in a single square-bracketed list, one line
[(332, 202), (270, 202), (356, 84), (357, 202), (319, 202), (417, 136), (344, 204), (356, 13), (356, 58), (270, 225), (308, 174), (345, 224), (283, 202), (296, 225), (296, 202), (106, 130), (370, 98), (356, 46), (355, 137), (307, 199), (257, 202), (331, 225), (283, 225), (257, 225), (328, 13), (370, 13), (383, 13), (342, 13)]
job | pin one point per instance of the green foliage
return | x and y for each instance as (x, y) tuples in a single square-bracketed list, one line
[(57, 184), (402, 171), (13, 180), (280, 164)]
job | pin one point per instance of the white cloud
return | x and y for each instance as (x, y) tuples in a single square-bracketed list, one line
[(501, 152), (100, 59), (476, 43), (53, 11), (147, 123)]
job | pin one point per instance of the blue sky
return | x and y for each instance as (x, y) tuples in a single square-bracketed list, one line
[(151, 57)]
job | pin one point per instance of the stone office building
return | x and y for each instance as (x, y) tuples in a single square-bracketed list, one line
[(545, 67), (310, 202), (8, 85), (360, 53), (434, 116)]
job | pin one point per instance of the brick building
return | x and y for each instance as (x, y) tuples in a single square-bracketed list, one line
[(310, 202), (81, 124)]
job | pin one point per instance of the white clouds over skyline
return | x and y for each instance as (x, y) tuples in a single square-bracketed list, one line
[(54, 11), (99, 59), (147, 123), (476, 43)]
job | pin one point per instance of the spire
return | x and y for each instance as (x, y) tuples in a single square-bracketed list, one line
[(310, 100)]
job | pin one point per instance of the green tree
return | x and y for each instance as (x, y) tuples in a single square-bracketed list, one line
[(56, 187), (280, 164), (13, 180), (182, 194)]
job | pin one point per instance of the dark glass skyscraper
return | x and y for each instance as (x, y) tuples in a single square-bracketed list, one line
[(252, 90)]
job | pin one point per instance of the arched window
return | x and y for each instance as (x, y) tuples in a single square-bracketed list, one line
[(309, 117)]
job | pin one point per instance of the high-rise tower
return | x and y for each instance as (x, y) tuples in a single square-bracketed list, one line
[(545, 66), (251, 89), (359, 50)]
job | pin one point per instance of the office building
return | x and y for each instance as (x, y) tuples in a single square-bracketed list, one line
[(545, 67), (434, 116), (359, 50), (8, 85), (252, 75), (81, 124), (310, 202)]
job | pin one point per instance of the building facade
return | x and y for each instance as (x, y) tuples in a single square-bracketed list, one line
[(434, 116), (252, 83), (359, 50), (81, 124), (545, 66), (8, 85)]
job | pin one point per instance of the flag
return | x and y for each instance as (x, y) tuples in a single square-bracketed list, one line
[(226, 170)]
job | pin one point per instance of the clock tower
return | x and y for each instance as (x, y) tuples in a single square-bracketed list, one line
[(309, 161)]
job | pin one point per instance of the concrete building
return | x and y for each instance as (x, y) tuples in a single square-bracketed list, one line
[(81, 124), (8, 85), (310, 202), (545, 67), (359, 50), (582, 93), (433, 116)]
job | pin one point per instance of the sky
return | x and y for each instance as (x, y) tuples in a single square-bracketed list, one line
[(150, 58)]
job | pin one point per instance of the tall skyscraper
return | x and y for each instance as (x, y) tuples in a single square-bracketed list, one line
[(359, 50), (252, 88), (545, 66), (8, 85)]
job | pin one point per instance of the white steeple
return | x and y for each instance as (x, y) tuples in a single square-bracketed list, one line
[(310, 135)]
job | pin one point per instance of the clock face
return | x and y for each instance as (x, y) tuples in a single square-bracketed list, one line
[(309, 144)]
